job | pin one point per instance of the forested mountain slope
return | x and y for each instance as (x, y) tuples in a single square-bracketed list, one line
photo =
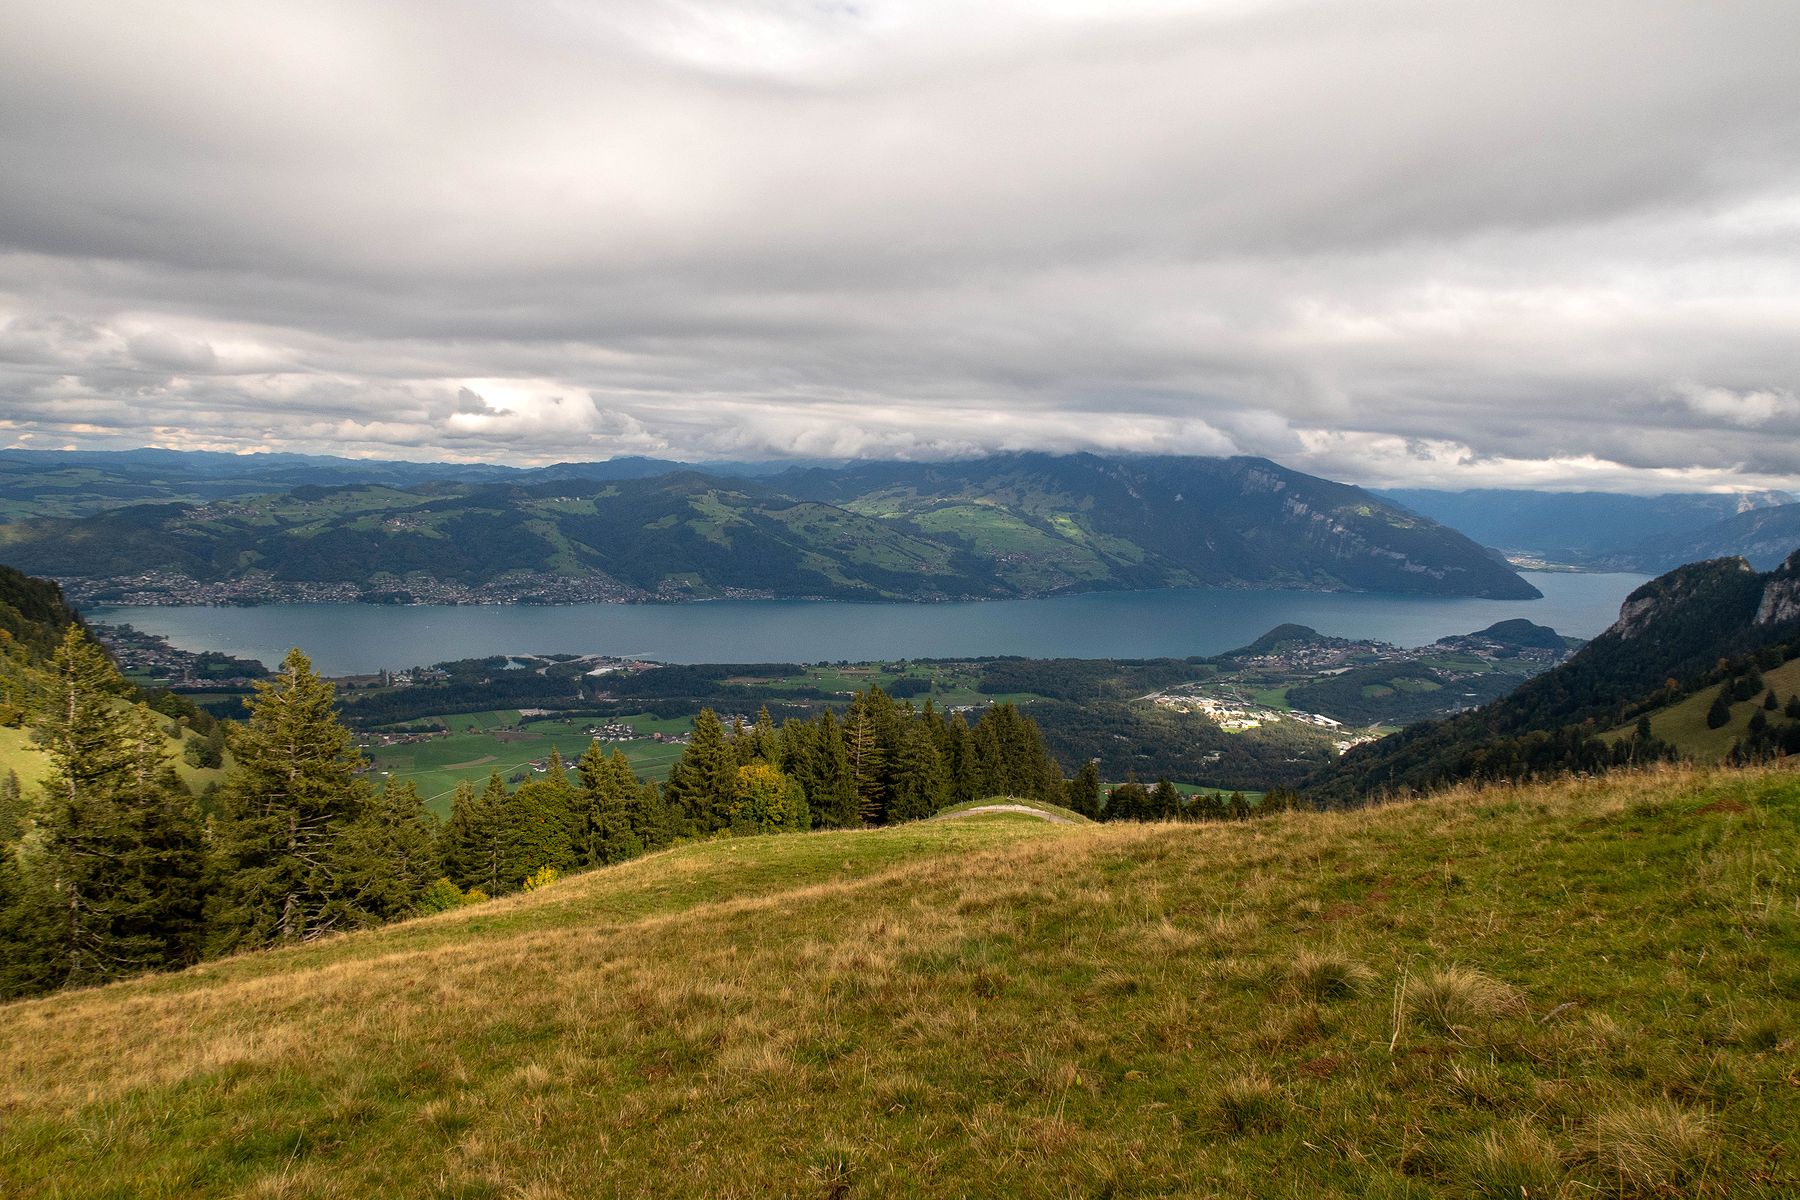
[(1004, 526), (1684, 630), (1762, 536), (1583, 527)]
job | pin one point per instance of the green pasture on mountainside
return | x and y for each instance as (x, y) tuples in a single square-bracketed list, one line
[(1684, 722)]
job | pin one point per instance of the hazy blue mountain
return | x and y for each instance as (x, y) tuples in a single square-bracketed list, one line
[(1764, 536), (65, 483), (1577, 527)]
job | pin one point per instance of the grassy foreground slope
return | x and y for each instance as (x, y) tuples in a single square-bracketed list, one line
[(1576, 989)]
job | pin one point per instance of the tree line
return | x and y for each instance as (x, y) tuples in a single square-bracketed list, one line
[(110, 866)]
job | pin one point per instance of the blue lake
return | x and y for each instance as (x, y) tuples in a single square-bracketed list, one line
[(346, 639)]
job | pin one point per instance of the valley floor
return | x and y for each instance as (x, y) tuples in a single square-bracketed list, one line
[(1586, 988)]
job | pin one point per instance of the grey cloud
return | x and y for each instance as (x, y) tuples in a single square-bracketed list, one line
[(1416, 240)]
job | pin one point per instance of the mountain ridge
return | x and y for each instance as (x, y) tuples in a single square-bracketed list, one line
[(1006, 525)]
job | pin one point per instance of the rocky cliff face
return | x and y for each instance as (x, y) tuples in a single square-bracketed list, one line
[(1781, 595), (1651, 604)]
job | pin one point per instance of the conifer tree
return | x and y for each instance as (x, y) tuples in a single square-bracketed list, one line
[(765, 739), (1719, 714), (31, 952), (1127, 802), (868, 761), (388, 856), (653, 822), (1165, 802), (292, 796), (456, 840), (12, 809), (535, 831), (120, 851), (921, 784), (966, 780), (482, 845), (831, 787), (1084, 790), (701, 784), (609, 791)]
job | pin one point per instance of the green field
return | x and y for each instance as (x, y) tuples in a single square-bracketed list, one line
[(952, 683), (18, 754), (1585, 989), (501, 744), (1684, 723)]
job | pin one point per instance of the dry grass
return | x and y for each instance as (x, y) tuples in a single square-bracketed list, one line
[(1515, 1160), (1654, 1148), (1329, 976), (1458, 1001), (998, 1006)]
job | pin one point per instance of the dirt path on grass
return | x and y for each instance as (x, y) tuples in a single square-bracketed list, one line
[(1029, 811)]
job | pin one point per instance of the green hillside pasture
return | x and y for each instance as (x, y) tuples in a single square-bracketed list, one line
[(1684, 722), (1581, 989), (436, 766), (18, 754), (952, 683)]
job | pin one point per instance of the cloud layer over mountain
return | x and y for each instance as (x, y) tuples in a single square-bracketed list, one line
[(1467, 243)]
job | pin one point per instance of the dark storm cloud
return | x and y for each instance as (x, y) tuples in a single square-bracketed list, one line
[(1459, 242)]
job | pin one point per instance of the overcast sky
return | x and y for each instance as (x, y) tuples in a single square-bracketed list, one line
[(1435, 243)]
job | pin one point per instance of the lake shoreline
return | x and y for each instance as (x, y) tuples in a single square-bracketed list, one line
[(349, 638)]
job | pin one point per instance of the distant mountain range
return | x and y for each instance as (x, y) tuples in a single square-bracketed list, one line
[(1008, 525), (1602, 531), (1762, 536)]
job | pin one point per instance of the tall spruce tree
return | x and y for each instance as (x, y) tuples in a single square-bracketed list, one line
[(608, 792), (455, 837), (389, 855), (702, 783), (32, 957), (12, 809), (120, 851), (293, 794), (653, 822), (921, 783), (475, 845), (967, 781), (829, 781), (868, 757), (1084, 790), (535, 831)]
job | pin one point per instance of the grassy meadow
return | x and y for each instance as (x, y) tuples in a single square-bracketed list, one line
[(1588, 988), (482, 743), (1684, 722), (19, 754)]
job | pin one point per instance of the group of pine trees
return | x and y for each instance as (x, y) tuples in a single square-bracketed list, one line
[(1133, 801), (109, 867), (884, 762)]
